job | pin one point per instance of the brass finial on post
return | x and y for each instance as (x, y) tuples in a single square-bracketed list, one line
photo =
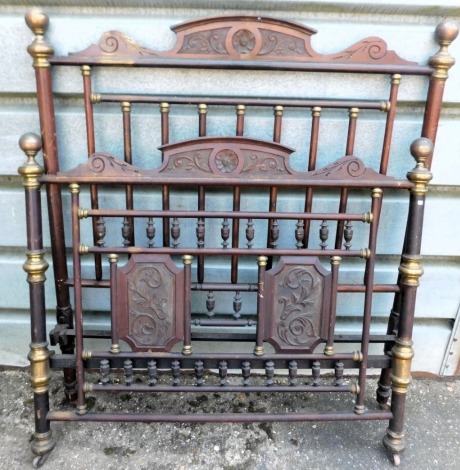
[(446, 32), (40, 50), (422, 150), (30, 144)]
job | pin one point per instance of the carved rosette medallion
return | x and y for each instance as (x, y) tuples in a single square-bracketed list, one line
[(298, 317), (226, 161), (243, 41), (150, 302)]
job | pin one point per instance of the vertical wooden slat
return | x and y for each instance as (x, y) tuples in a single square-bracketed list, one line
[(164, 110), (335, 263), (240, 112), (390, 107), (316, 114), (80, 368), (91, 145), (262, 265), (202, 113), (113, 260), (187, 348), (278, 113), (368, 296), (126, 110), (353, 117)]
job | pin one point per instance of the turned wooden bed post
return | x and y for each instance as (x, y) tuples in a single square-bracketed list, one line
[(446, 32), (35, 267), (410, 271), (40, 50)]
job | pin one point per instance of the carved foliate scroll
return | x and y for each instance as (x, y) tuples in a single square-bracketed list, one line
[(298, 306), (240, 38), (222, 157), (226, 156), (151, 302)]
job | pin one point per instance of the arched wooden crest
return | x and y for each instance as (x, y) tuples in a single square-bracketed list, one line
[(210, 158), (241, 38), (226, 157), (150, 303), (298, 308)]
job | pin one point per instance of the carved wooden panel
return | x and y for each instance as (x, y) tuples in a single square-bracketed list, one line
[(150, 307), (240, 38), (224, 157), (297, 307)]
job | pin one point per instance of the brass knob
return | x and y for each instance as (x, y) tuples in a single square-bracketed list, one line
[(30, 143), (37, 21), (421, 149), (446, 32)]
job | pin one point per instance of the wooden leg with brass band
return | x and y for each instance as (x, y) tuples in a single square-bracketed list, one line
[(35, 267)]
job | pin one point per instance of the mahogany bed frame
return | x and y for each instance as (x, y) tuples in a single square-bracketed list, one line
[(291, 262)]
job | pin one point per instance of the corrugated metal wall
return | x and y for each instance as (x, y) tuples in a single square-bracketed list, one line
[(406, 26)]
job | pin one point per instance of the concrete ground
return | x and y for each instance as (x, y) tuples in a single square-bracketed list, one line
[(433, 432)]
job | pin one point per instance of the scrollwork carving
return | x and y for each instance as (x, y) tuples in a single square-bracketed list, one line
[(279, 44), (205, 42), (150, 323), (264, 163), (100, 162), (347, 166), (370, 48), (150, 304), (299, 319), (241, 38), (296, 325), (190, 163), (114, 42)]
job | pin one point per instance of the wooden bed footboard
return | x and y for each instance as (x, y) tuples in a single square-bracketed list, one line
[(227, 237)]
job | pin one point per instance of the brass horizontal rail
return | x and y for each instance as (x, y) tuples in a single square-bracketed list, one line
[(217, 417), (89, 387), (244, 65), (379, 105), (363, 217), (363, 253), (162, 180), (247, 287)]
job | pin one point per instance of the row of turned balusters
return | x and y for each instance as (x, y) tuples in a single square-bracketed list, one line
[(152, 373), (175, 230)]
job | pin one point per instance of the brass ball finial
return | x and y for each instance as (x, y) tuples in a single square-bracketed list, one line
[(30, 143), (446, 32), (421, 149), (37, 21)]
